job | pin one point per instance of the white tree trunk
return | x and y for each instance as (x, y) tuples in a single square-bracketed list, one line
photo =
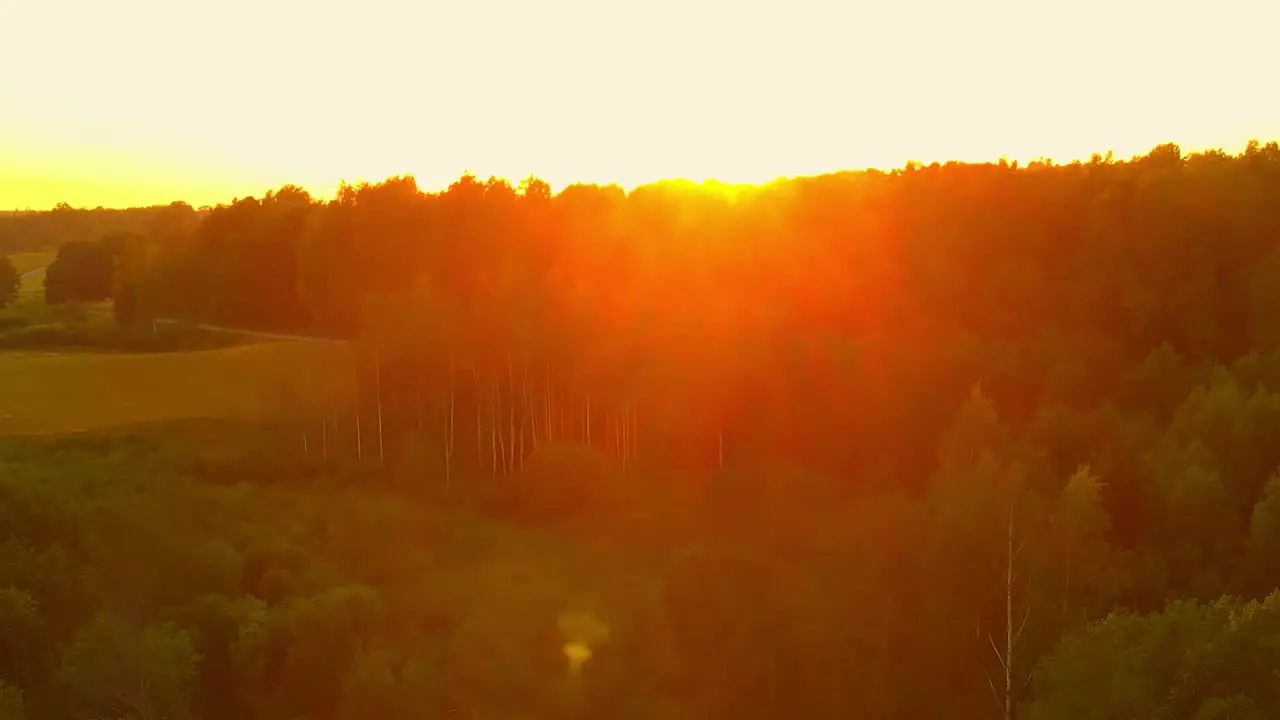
[(475, 374), (448, 440), (511, 417), (1008, 698), (1008, 624), (549, 404), (528, 414), (493, 429), (530, 409), (500, 431), (359, 440), (619, 447), (359, 436), (626, 435), (377, 376), (720, 449)]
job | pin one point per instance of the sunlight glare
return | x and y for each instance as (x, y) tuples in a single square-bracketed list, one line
[(572, 91), (581, 631)]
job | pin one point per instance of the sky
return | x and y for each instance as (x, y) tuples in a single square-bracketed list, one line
[(134, 102)]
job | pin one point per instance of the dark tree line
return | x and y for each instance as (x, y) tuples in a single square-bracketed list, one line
[(10, 281), (85, 271), (832, 322), (30, 231)]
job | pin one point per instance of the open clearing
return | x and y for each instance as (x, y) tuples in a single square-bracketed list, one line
[(28, 261), (49, 392), (33, 283), (31, 267)]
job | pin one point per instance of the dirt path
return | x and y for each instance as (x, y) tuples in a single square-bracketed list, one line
[(253, 333)]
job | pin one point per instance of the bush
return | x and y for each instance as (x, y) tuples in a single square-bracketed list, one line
[(102, 334), (72, 312), (10, 322), (38, 335), (561, 485)]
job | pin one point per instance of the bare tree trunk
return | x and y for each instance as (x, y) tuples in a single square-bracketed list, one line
[(493, 428), (500, 458), (520, 452), (528, 414), (1008, 699), (359, 436), (549, 391), (560, 406), (511, 417), (377, 376), (626, 435), (475, 374), (530, 409), (1008, 625), (448, 440), (617, 442), (720, 448), (359, 440)]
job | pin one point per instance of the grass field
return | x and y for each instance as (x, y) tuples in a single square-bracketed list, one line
[(26, 262), (32, 284), (47, 392)]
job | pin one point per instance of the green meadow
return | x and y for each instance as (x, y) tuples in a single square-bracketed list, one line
[(48, 391), (29, 261)]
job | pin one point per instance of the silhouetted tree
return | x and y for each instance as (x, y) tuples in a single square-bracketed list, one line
[(10, 281), (85, 271)]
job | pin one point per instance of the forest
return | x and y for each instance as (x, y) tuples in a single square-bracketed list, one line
[(961, 440), (30, 230)]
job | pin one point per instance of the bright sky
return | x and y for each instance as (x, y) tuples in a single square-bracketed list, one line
[(146, 101)]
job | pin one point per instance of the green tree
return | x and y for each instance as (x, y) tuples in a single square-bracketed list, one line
[(21, 636), (1264, 540), (115, 669), (369, 689), (1192, 660), (10, 281), (12, 706), (1080, 526), (86, 271)]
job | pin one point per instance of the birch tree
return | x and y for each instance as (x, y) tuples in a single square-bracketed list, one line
[(113, 669)]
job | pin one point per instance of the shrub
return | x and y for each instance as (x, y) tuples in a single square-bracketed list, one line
[(561, 485)]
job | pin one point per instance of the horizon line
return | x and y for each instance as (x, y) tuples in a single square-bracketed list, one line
[(316, 192)]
